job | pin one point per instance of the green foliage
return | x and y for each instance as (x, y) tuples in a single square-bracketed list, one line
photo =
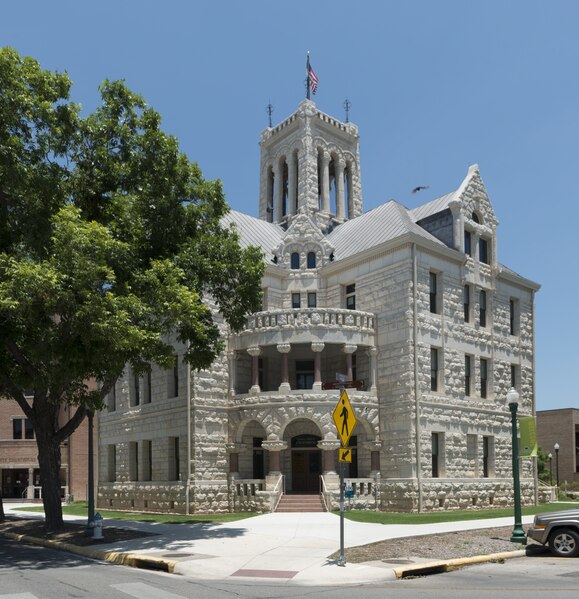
[(543, 466), (110, 241)]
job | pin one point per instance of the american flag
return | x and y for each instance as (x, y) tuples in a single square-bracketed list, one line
[(313, 79)]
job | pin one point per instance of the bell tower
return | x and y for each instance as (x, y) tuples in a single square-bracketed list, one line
[(310, 164)]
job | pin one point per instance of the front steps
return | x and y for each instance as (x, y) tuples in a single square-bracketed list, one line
[(300, 503)]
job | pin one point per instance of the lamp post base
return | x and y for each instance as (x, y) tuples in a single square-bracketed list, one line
[(519, 536)]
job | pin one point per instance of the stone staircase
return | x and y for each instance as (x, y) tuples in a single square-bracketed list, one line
[(300, 503)]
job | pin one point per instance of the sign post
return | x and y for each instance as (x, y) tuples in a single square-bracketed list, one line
[(345, 421)]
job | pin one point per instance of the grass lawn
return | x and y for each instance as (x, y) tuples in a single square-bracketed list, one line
[(451, 515), (79, 508)]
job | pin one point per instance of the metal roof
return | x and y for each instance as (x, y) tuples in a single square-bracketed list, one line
[(254, 231), (386, 222), (433, 207)]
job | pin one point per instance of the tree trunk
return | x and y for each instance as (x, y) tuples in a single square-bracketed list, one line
[(49, 463), (2, 515)]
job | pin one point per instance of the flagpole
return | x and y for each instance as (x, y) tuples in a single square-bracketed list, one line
[(308, 76)]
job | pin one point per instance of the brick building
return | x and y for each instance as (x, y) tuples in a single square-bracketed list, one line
[(562, 427), (409, 309), (19, 471)]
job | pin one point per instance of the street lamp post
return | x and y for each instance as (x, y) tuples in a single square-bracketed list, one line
[(556, 448), (518, 535), (551, 469)]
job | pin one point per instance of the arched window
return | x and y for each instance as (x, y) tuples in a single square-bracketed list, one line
[(295, 261), (475, 217), (311, 259)]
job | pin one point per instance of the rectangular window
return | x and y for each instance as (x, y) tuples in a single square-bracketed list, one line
[(433, 293), (514, 317), (466, 302), (483, 308), (112, 399), (437, 452), (147, 389), (173, 379), (296, 300), (467, 374), (488, 456), (483, 251), (133, 461), (467, 243), (147, 458), (433, 369), (312, 300), (304, 374), (483, 377), (17, 428), (351, 296), (111, 463), (28, 429), (514, 376), (136, 390), (173, 465)]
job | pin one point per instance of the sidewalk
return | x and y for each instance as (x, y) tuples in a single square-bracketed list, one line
[(288, 547)]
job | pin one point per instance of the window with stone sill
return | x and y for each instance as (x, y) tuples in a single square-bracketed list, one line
[(351, 296), (488, 456), (467, 375), (484, 251), (312, 300), (434, 293), (482, 303), (311, 260), (468, 243), (514, 316), (112, 399), (22, 428), (514, 376), (296, 301), (133, 461), (483, 377), (466, 303), (295, 261), (434, 366), (437, 444), (111, 463)]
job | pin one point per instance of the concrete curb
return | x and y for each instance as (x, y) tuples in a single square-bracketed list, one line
[(135, 560), (454, 564)]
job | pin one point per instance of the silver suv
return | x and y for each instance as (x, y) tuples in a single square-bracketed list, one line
[(559, 529)]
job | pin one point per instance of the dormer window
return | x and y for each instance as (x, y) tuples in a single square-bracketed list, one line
[(311, 260), (483, 251), (295, 261), (468, 243), (475, 217)]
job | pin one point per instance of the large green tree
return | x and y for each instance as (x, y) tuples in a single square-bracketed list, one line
[(110, 239)]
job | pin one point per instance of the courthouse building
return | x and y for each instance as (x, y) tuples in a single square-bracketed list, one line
[(409, 309)]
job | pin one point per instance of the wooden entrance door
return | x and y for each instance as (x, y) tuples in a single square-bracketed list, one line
[(306, 470)]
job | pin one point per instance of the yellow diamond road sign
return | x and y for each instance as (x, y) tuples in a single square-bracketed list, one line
[(344, 418)]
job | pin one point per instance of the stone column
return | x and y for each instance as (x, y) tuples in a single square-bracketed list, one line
[(273, 446), (30, 488), (317, 348), (232, 362), (349, 350), (254, 352), (339, 174), (284, 349), (326, 182), (234, 449), (277, 192), (458, 225), (292, 184), (374, 447), (372, 352), (474, 243), (350, 191)]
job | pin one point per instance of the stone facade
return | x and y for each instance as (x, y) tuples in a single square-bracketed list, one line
[(409, 310)]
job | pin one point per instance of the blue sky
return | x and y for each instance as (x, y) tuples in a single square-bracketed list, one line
[(434, 87)]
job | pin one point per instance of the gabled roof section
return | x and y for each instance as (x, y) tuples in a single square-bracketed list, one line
[(384, 223), (254, 231), (442, 203)]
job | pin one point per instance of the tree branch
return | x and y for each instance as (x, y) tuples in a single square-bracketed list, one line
[(20, 358), (14, 391), (69, 428)]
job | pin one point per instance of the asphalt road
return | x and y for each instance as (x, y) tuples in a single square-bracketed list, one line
[(28, 572)]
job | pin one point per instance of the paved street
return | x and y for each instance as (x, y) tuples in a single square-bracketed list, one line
[(28, 572)]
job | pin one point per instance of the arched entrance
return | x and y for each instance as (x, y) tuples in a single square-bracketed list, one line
[(306, 464)]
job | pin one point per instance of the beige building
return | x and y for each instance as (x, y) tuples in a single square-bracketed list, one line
[(409, 310)]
